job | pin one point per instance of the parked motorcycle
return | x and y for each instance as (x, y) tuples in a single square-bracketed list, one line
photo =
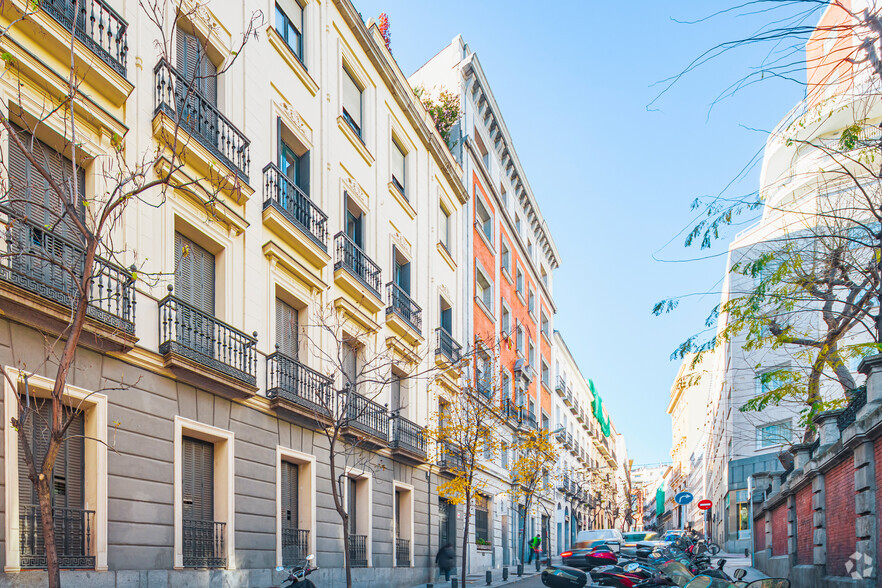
[(297, 575)]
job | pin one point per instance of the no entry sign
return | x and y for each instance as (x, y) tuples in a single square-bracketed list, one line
[(705, 504)]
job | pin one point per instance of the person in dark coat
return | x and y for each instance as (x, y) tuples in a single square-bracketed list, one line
[(446, 559)]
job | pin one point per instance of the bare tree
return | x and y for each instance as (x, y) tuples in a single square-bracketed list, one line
[(63, 242), (531, 481)]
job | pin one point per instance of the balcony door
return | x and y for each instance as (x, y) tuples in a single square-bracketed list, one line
[(294, 540), (197, 98), (194, 286), (288, 329), (354, 224), (73, 524), (202, 540), (402, 271)]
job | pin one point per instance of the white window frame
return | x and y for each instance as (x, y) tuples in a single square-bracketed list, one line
[(365, 504), (307, 462), (405, 489), (480, 273), (94, 407), (224, 483)]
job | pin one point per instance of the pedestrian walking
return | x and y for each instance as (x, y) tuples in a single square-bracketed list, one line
[(535, 542), (446, 559)]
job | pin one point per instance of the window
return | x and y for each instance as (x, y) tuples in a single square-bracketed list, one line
[(531, 302), (354, 222), (287, 329), (401, 273), (484, 290), (544, 421), (531, 355), (359, 510), (398, 167), (350, 366), (530, 248), (484, 219), (194, 286), (294, 165), (505, 257), (289, 25), (397, 400), (503, 451), (503, 194), (505, 321), (482, 518), (198, 69), (484, 373), (546, 376), (446, 316), (518, 224), (488, 447), (545, 325), (520, 340), (444, 228), (770, 380), (352, 102), (295, 477), (505, 385), (485, 156), (544, 276), (774, 434), (403, 525), (519, 284), (294, 547)]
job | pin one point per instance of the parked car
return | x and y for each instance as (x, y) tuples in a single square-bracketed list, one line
[(645, 538), (594, 548)]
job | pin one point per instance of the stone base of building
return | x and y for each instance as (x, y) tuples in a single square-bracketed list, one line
[(807, 575), (258, 578)]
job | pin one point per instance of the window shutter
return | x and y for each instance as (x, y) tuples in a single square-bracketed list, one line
[(353, 513), (395, 400), (194, 275), (397, 163), (351, 98), (74, 464), (198, 479), (68, 475), (290, 495), (303, 173), (193, 63), (287, 329)]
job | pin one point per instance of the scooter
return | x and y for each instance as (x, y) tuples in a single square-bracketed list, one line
[(297, 575)]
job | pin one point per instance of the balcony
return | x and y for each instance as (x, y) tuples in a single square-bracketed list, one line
[(450, 460), (408, 439), (205, 351), (356, 273), (403, 315), (298, 389), (98, 27), (188, 110), (447, 351), (366, 416), (561, 437), (568, 398), (288, 210), (295, 546), (402, 553), (561, 387), (40, 274), (358, 551), (511, 412), (73, 537), (204, 544)]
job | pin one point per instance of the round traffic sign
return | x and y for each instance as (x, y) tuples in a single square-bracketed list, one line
[(683, 498), (705, 504)]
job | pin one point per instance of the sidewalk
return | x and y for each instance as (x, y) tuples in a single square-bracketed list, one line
[(481, 579)]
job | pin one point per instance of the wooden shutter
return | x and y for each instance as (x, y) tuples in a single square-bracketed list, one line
[(192, 62), (198, 479), (68, 475), (395, 400), (194, 275), (290, 495), (353, 502), (287, 329), (351, 98), (303, 173)]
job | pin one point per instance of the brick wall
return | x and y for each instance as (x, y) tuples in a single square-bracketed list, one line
[(839, 491), (759, 533), (779, 530), (804, 543)]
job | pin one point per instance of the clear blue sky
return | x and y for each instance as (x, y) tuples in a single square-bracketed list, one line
[(614, 181)]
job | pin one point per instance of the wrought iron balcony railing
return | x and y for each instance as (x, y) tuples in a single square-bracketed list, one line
[(561, 387), (447, 347), (407, 435), (402, 552), (561, 437), (532, 422), (197, 335), (295, 546), (288, 379), (849, 413), (350, 257), (73, 537), (204, 544), (96, 25), (286, 196), (367, 416), (358, 551), (401, 304), (179, 98), (450, 458), (50, 265)]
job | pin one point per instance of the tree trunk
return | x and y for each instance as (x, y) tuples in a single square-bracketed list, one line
[(44, 496), (338, 504), (465, 536)]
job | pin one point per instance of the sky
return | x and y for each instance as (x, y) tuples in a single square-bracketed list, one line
[(615, 178)]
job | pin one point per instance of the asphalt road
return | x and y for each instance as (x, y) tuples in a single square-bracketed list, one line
[(534, 582)]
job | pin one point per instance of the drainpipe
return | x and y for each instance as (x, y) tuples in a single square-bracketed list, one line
[(750, 522)]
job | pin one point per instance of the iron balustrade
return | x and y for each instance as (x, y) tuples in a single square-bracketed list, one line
[(367, 416), (73, 537), (561, 437), (41, 260), (446, 346), (358, 551), (408, 435), (532, 422), (295, 546), (287, 197), (180, 99), (204, 544), (450, 458), (849, 413), (197, 335), (290, 380), (402, 552), (561, 386), (351, 258), (96, 25), (401, 304)]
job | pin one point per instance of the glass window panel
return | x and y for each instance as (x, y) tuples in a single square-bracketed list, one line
[(352, 100)]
